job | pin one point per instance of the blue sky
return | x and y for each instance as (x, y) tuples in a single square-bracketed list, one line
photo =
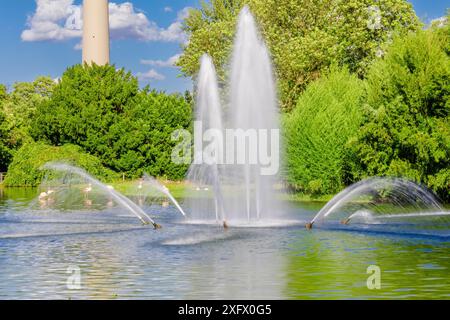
[(44, 42)]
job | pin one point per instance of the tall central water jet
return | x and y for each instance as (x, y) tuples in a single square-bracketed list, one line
[(241, 187), (253, 106)]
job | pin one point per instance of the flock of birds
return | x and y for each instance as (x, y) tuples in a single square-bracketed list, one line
[(45, 196)]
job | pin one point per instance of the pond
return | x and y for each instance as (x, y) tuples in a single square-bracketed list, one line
[(117, 258)]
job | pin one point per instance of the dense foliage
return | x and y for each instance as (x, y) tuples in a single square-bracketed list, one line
[(318, 131), (103, 110), (303, 36), (5, 150), (3, 94), (20, 107), (406, 129), (5, 154), (17, 110), (25, 170)]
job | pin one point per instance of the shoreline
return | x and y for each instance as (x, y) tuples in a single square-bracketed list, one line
[(178, 189)]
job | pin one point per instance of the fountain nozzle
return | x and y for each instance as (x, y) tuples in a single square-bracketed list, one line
[(157, 226), (345, 221), (225, 224), (309, 225)]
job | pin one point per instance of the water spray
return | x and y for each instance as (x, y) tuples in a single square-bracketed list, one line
[(120, 198), (163, 189)]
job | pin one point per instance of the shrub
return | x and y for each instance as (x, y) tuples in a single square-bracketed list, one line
[(327, 116), (24, 171), (406, 129)]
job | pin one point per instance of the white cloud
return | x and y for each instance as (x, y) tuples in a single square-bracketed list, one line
[(53, 20), (151, 74), (175, 31), (439, 22), (62, 20), (162, 63), (168, 9)]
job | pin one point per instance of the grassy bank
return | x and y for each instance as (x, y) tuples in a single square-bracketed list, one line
[(180, 189)]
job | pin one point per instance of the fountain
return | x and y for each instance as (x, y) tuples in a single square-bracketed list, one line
[(209, 114), (75, 188), (378, 200), (155, 184), (241, 192)]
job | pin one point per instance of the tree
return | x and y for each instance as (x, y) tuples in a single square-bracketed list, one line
[(406, 128), (3, 94), (5, 153), (20, 106), (103, 110), (5, 149), (317, 133), (303, 36), (17, 110)]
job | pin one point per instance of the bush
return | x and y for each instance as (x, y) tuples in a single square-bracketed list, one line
[(25, 171), (326, 117), (406, 130), (103, 110)]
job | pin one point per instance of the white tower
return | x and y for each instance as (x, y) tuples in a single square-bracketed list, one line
[(95, 32)]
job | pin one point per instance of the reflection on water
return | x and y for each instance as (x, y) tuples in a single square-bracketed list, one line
[(334, 264), (118, 258)]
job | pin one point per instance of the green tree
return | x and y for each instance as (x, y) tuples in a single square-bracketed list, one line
[(103, 110), (5, 149), (20, 105), (406, 130), (5, 153), (318, 131), (3, 94), (303, 36), (16, 111)]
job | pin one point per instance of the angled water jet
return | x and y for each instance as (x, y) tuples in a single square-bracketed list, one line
[(152, 182), (381, 199), (76, 176)]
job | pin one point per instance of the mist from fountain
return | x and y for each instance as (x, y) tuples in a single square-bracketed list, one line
[(74, 188)]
